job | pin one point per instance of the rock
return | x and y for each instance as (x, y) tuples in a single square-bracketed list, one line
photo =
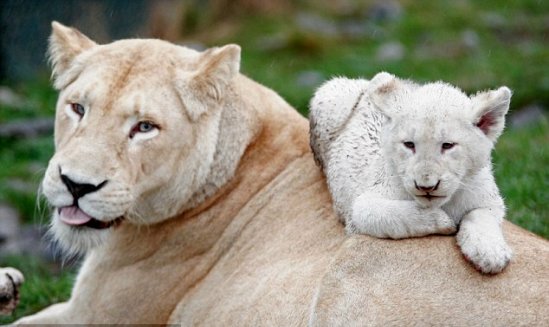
[(527, 116), (494, 20), (470, 39), (9, 221), (358, 29), (21, 186), (9, 98), (309, 78), (27, 128), (390, 51), (387, 10), (273, 42), (313, 23), (9, 229)]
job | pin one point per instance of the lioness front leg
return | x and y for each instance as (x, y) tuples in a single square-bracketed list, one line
[(53, 315), (480, 238), (396, 219)]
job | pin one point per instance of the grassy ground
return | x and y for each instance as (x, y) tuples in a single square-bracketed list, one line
[(509, 48)]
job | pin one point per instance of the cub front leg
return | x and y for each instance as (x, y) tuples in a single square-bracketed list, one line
[(384, 218), (480, 238)]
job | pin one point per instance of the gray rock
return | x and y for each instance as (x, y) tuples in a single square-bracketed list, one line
[(390, 51), (27, 128), (273, 42), (494, 20), (470, 39), (9, 98), (9, 223), (309, 78), (527, 116), (358, 29), (21, 186), (387, 10), (313, 23)]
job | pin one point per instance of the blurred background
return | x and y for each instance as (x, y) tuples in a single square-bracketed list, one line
[(291, 47)]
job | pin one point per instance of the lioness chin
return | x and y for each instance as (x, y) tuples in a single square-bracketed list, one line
[(407, 160), (194, 194)]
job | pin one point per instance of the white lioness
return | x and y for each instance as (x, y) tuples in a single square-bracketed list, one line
[(194, 193), (407, 160)]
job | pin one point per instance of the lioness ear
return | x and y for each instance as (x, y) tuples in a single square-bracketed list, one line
[(489, 109), (205, 87), (382, 92), (65, 44)]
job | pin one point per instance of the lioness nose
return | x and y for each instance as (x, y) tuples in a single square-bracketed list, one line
[(78, 190), (427, 188)]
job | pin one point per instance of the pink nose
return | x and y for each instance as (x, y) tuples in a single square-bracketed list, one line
[(427, 188)]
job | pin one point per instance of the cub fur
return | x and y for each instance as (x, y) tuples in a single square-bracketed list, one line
[(407, 160)]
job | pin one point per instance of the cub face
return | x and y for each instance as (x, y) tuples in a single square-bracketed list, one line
[(435, 136), (135, 132)]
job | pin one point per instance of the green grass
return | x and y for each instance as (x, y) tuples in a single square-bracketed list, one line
[(521, 159), (512, 53), (44, 285)]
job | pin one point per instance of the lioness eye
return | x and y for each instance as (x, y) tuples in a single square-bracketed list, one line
[(78, 109), (447, 146), (409, 145), (143, 127)]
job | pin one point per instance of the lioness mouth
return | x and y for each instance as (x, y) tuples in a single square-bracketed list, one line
[(75, 217)]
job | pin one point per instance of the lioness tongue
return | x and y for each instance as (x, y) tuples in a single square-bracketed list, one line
[(73, 216)]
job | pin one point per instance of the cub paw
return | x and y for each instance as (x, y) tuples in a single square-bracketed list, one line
[(443, 224), (488, 255)]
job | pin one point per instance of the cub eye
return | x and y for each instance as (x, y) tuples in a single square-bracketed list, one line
[(143, 127), (409, 145), (78, 109), (447, 146)]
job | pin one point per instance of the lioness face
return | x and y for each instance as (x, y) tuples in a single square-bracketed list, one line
[(128, 146), (436, 137)]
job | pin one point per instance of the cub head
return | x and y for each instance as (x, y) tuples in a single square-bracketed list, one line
[(435, 136), (136, 130)]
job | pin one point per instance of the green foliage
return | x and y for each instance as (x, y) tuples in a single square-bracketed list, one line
[(521, 159)]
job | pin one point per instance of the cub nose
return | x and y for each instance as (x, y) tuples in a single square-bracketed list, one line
[(78, 190), (427, 188)]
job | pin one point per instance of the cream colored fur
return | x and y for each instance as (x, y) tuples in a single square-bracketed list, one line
[(380, 141), (245, 236), (10, 281)]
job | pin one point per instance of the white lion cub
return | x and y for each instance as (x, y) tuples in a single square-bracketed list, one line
[(406, 160)]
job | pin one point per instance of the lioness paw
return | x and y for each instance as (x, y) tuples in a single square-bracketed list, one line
[(10, 280), (488, 255)]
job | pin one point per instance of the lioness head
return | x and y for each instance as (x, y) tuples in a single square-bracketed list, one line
[(436, 137), (136, 131)]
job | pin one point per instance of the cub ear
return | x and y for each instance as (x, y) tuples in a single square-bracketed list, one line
[(489, 109), (382, 92), (64, 45), (204, 88)]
